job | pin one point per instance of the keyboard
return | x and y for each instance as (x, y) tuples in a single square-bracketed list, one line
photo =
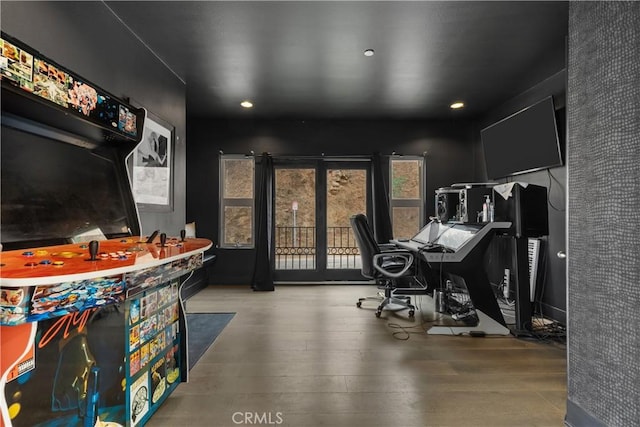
[(533, 253)]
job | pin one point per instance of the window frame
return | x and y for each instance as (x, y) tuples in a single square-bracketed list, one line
[(225, 202), (408, 203)]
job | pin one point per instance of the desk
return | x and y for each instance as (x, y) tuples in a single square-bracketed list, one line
[(465, 261), (84, 339)]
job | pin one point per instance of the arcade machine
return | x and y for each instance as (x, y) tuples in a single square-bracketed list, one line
[(92, 326)]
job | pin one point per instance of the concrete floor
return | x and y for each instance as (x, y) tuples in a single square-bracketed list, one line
[(306, 356)]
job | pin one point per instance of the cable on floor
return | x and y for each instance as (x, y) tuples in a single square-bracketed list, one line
[(546, 330), (405, 332)]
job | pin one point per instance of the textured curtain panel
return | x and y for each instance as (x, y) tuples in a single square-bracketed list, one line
[(262, 273), (381, 219)]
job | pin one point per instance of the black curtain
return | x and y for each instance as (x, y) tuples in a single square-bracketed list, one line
[(262, 279), (381, 219)]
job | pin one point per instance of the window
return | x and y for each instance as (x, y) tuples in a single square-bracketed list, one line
[(407, 195), (237, 201)]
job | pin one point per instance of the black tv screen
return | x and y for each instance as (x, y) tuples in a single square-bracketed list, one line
[(523, 142), (52, 191)]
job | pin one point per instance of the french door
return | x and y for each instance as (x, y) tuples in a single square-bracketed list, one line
[(313, 201)]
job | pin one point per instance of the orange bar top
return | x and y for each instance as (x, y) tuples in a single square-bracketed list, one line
[(52, 264)]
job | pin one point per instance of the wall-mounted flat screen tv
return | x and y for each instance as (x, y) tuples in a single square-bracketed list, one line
[(523, 142)]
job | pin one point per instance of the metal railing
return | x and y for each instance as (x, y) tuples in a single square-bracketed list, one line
[(342, 250), (295, 248)]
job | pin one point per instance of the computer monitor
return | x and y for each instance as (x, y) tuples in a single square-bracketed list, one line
[(451, 236)]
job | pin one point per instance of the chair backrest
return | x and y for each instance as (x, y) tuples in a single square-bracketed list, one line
[(366, 244)]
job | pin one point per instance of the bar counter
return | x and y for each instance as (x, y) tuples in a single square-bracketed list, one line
[(93, 332)]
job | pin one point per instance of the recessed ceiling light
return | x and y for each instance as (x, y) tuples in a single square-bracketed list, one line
[(369, 52), (456, 105), (246, 104)]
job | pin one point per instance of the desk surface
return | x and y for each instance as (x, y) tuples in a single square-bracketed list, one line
[(439, 255), (61, 263)]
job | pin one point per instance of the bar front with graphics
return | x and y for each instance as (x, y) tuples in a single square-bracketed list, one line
[(93, 336), (92, 324)]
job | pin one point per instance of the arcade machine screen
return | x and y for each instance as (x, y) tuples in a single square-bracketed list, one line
[(53, 190)]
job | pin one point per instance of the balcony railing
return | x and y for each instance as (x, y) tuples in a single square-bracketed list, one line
[(295, 248), (342, 249)]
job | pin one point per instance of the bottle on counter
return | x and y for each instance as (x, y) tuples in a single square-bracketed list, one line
[(491, 211), (485, 209)]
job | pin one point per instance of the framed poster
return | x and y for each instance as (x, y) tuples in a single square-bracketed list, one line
[(152, 168)]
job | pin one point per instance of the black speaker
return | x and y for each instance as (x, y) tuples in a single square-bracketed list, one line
[(447, 204), (526, 207)]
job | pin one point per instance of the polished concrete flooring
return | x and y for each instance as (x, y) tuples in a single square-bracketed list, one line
[(306, 356)]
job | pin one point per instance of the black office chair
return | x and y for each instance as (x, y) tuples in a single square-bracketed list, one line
[(385, 266)]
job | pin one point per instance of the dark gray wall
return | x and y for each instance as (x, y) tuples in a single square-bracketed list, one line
[(87, 38), (552, 301), (448, 145), (604, 184)]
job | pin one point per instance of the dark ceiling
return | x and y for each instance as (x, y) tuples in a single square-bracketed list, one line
[(305, 59)]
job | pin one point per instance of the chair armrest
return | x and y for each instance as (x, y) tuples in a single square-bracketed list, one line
[(406, 256), (385, 247)]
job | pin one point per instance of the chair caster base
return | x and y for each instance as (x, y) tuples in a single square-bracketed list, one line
[(411, 313)]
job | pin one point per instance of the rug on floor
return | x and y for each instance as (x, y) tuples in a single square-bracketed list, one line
[(204, 328)]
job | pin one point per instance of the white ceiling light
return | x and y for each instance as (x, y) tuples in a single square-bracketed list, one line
[(369, 52), (246, 104), (456, 105)]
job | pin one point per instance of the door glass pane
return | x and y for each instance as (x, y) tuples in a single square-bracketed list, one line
[(295, 219), (406, 222), (346, 196)]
